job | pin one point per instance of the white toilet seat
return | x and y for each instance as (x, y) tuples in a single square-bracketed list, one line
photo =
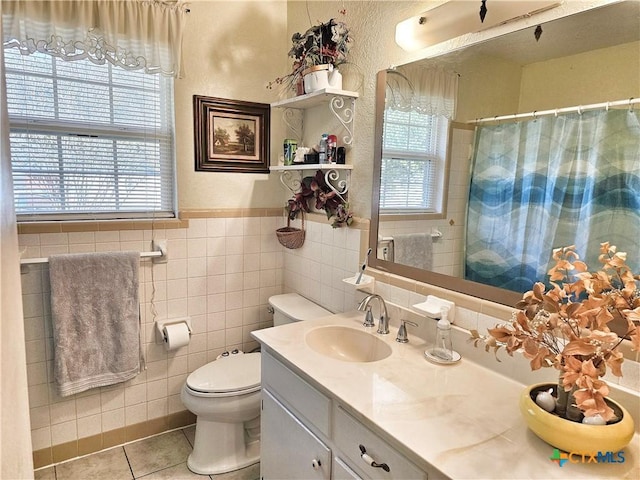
[(235, 393), (228, 376)]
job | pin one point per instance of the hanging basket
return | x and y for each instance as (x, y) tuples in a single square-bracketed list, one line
[(291, 237)]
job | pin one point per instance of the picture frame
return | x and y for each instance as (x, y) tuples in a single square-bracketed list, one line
[(231, 135)]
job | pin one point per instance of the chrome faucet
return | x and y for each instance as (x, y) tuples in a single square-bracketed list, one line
[(383, 324)]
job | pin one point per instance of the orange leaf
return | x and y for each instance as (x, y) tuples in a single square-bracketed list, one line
[(501, 334), (578, 347)]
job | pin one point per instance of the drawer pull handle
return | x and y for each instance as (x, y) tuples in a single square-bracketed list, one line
[(371, 461), (316, 464)]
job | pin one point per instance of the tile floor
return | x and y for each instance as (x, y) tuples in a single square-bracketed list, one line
[(162, 457)]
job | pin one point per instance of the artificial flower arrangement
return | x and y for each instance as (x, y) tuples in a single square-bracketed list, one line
[(567, 327), (327, 43), (316, 188)]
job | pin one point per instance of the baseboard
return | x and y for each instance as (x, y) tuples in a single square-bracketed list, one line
[(112, 438)]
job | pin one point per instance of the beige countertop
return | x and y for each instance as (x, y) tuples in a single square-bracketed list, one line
[(462, 419)]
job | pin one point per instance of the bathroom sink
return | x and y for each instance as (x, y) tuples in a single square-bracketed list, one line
[(347, 344)]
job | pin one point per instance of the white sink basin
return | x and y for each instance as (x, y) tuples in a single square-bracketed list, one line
[(347, 344)]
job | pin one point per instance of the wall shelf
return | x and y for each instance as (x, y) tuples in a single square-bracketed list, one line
[(309, 100), (310, 166), (341, 103), (293, 181)]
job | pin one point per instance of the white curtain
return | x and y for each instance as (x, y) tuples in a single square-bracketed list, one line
[(134, 34), (15, 430), (431, 91)]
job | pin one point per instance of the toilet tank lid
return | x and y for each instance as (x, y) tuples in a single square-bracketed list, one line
[(297, 307), (227, 374)]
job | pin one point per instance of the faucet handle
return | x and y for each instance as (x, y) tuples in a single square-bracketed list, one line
[(402, 336), (368, 318)]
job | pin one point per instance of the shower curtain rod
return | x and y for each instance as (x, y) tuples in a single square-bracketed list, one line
[(535, 114)]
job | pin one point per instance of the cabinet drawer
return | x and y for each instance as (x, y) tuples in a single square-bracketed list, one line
[(297, 394), (349, 434)]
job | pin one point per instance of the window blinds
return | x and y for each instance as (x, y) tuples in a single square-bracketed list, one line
[(89, 140), (413, 154)]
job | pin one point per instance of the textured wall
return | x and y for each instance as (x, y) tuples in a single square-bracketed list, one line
[(582, 79), (232, 50)]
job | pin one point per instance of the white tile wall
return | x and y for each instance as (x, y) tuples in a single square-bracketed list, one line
[(316, 270), (221, 272)]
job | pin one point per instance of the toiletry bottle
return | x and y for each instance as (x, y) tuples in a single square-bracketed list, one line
[(323, 148), (332, 147), (443, 347)]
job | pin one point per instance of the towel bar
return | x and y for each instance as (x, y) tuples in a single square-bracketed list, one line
[(435, 233), (159, 255), (30, 261)]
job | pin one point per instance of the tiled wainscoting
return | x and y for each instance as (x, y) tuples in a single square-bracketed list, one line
[(221, 272)]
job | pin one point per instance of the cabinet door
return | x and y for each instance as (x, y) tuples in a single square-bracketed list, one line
[(289, 451)]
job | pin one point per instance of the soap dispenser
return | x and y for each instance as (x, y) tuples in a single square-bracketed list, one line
[(442, 351)]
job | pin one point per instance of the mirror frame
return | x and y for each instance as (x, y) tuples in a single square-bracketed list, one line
[(475, 289)]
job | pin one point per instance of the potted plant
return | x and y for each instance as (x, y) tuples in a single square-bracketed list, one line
[(317, 51), (315, 189), (566, 326)]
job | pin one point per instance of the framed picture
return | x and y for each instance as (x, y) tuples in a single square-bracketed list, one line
[(231, 135)]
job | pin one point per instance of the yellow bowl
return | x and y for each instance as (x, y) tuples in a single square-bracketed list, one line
[(574, 437)]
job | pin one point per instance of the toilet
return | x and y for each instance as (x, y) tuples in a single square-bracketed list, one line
[(225, 397)]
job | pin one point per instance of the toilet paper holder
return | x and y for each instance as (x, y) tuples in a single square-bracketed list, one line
[(160, 324)]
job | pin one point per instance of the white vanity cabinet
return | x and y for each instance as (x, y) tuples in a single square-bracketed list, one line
[(305, 434), (289, 450)]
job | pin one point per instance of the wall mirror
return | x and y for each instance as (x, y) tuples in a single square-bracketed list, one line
[(585, 58)]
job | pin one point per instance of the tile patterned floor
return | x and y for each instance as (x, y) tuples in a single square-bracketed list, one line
[(162, 457)]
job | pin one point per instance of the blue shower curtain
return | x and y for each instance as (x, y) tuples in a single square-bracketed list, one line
[(551, 182)]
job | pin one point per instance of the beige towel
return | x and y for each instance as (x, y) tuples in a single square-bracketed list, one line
[(413, 249), (96, 319)]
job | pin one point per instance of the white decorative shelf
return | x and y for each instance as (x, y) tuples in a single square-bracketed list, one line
[(293, 181), (342, 104), (310, 166), (309, 100)]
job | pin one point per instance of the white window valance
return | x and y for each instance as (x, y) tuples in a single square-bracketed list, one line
[(431, 91), (133, 34)]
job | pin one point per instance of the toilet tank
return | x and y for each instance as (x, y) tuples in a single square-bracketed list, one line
[(291, 307)]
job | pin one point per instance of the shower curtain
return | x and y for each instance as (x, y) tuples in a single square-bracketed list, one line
[(551, 182)]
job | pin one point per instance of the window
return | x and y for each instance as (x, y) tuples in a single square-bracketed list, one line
[(413, 162), (89, 141)]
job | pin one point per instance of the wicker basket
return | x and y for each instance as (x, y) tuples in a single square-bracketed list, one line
[(291, 237)]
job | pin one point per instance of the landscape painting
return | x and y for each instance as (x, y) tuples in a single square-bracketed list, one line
[(231, 135)]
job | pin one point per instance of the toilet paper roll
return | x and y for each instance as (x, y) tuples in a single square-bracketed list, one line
[(175, 336)]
